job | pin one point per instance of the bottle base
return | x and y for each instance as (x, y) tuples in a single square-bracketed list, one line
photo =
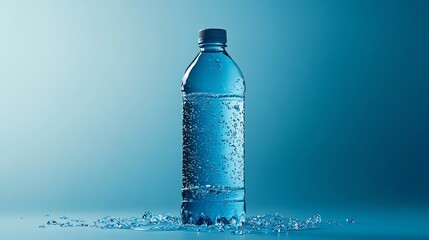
[(208, 213)]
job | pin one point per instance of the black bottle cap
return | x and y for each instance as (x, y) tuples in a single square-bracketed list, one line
[(212, 35)]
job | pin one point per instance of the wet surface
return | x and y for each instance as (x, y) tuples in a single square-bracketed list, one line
[(394, 223)]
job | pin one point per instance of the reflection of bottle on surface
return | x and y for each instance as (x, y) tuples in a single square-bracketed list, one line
[(213, 135)]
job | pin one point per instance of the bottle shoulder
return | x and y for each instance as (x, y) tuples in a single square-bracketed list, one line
[(213, 72)]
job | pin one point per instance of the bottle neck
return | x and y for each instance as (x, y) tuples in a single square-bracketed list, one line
[(212, 47)]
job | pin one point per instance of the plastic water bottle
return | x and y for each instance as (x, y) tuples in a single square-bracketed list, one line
[(213, 135)]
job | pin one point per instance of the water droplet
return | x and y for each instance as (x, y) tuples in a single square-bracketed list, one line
[(51, 222), (350, 220)]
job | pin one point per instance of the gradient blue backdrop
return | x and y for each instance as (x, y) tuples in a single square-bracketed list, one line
[(337, 105)]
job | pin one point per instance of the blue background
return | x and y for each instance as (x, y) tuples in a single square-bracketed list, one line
[(337, 104)]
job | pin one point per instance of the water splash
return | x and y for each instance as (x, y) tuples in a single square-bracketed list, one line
[(166, 222)]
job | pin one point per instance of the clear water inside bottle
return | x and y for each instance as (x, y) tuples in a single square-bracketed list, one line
[(213, 158)]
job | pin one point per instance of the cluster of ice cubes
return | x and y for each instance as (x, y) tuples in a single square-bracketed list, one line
[(166, 222)]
